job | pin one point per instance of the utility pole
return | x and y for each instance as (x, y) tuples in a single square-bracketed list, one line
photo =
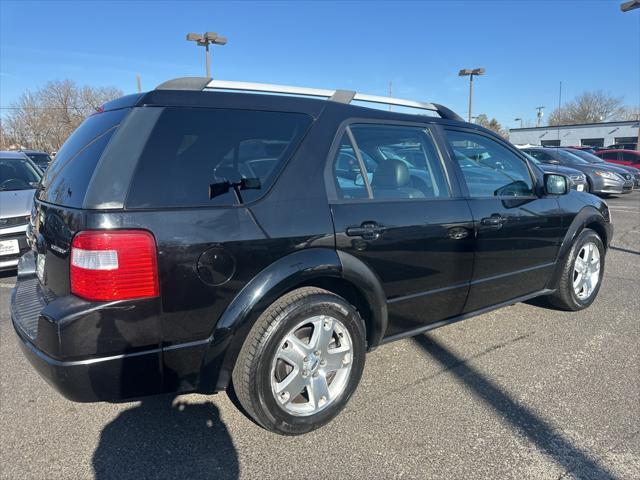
[(540, 114), (139, 82), (470, 72), (559, 105), (390, 91), (205, 40)]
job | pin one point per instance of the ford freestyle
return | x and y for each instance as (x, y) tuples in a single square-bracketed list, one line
[(210, 235)]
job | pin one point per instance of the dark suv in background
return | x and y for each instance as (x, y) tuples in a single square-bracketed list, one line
[(40, 158), (194, 238)]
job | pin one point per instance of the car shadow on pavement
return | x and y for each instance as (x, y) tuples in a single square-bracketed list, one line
[(539, 432), (162, 437), (624, 250)]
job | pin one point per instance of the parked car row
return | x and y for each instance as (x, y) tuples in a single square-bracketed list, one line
[(19, 176), (601, 177), (615, 146)]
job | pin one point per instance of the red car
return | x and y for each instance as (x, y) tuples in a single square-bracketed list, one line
[(630, 158)]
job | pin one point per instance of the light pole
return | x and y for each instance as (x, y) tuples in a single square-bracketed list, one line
[(205, 40), (518, 120), (470, 72), (540, 114)]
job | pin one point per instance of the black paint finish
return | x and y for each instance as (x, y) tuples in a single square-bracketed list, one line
[(407, 264)]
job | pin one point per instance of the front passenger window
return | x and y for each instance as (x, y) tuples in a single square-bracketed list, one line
[(489, 169)]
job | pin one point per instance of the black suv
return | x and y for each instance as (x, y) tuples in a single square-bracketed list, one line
[(194, 238)]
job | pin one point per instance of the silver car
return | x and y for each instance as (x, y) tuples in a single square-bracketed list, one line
[(19, 177)]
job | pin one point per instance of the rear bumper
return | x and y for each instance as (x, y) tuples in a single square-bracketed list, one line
[(112, 378), (104, 351)]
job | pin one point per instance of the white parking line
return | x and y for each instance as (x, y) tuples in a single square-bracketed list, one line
[(6, 285)]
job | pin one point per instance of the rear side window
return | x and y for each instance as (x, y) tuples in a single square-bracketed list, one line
[(192, 149), (610, 155), (66, 180), (398, 162)]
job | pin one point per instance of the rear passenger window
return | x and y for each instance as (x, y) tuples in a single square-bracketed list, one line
[(66, 180), (489, 169), (394, 162), (191, 149)]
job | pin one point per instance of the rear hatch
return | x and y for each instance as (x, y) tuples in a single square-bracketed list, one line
[(57, 214)]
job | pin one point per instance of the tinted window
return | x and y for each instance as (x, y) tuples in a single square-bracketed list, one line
[(589, 157), (69, 188), (17, 174), (490, 169), (63, 173), (592, 142), (569, 158), (610, 155), (39, 158), (347, 173), (191, 149), (540, 155), (399, 162), (630, 157), (550, 143)]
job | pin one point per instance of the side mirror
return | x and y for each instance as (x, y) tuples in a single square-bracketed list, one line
[(359, 181), (555, 184)]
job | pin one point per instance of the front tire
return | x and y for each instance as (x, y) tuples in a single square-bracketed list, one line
[(301, 361), (582, 273)]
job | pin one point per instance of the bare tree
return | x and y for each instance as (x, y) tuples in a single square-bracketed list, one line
[(632, 113), (492, 124), (589, 107), (45, 118)]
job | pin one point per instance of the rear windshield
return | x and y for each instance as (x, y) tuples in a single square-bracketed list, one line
[(193, 153), (66, 180)]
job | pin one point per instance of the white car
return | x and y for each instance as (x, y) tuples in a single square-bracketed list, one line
[(18, 179)]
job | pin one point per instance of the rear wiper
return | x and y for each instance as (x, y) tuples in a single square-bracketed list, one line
[(220, 188)]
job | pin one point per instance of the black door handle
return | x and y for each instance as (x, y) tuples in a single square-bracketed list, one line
[(495, 220), (368, 231)]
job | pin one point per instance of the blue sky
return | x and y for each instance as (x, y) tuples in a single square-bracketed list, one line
[(527, 47)]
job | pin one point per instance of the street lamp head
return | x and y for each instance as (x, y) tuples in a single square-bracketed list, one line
[(194, 37), (220, 41), (517, 119), (471, 71)]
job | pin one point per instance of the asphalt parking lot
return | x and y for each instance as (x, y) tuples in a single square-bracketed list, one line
[(523, 392)]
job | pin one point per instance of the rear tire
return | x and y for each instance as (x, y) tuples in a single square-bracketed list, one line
[(582, 273), (301, 361)]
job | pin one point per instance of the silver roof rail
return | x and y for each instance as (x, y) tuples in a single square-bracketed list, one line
[(340, 96), (344, 96)]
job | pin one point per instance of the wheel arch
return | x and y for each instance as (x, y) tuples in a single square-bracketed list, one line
[(325, 268), (588, 217)]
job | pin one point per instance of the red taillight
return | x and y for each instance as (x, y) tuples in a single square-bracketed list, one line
[(114, 265)]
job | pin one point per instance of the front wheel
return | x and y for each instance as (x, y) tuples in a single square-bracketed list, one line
[(582, 273), (301, 361)]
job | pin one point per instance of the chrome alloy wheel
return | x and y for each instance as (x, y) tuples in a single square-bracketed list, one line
[(586, 271), (312, 365)]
